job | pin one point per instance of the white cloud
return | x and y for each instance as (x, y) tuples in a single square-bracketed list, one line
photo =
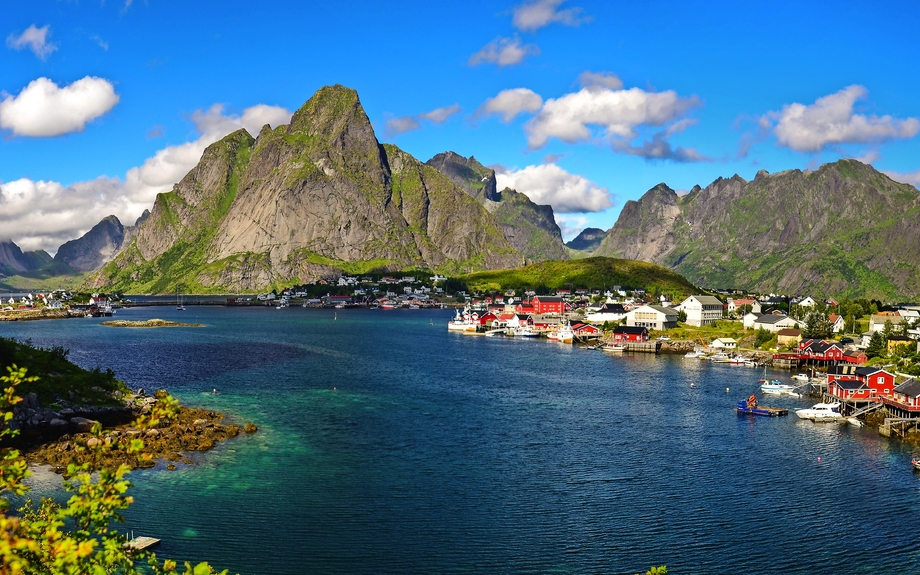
[(912, 178), (504, 52), (599, 80), (102, 43), (550, 184), (869, 157), (440, 115), (43, 215), (531, 16), (401, 125), (831, 120), (35, 39), (617, 112), (42, 109), (510, 103)]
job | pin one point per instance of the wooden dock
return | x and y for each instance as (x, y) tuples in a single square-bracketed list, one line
[(141, 543)]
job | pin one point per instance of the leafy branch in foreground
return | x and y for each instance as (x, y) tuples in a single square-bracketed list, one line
[(75, 538)]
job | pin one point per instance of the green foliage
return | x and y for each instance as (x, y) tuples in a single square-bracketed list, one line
[(76, 537), (589, 273), (878, 345), (817, 326), (763, 336)]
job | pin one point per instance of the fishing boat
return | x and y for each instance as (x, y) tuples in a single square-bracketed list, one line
[(916, 463), (720, 357), (695, 354), (525, 331), (466, 321), (800, 377), (821, 412), (776, 387), (614, 347)]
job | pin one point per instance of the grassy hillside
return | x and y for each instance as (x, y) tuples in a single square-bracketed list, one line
[(589, 273)]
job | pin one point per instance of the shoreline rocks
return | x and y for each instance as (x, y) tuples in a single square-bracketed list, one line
[(149, 323), (60, 438)]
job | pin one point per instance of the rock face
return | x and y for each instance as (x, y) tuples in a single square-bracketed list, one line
[(587, 240), (95, 248), (531, 228), (845, 230), (14, 260), (302, 202)]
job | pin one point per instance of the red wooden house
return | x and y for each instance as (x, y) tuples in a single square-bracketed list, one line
[(525, 307), (820, 350), (880, 382), (585, 330), (544, 304), (906, 397), (849, 389), (629, 333)]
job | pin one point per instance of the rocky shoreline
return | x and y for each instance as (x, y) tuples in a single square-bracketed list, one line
[(149, 323), (58, 438)]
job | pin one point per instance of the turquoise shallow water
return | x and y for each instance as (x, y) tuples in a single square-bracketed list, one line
[(388, 445)]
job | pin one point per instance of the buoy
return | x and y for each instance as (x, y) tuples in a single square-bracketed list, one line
[(726, 390), (692, 385), (819, 460)]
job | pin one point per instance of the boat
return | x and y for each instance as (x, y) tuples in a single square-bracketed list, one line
[(466, 321), (563, 334), (776, 387), (525, 331), (916, 463), (750, 363), (695, 354), (179, 305), (750, 407), (614, 347), (821, 412), (854, 421), (737, 360), (800, 377), (720, 357)]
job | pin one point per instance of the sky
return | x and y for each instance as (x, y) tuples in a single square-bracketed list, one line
[(583, 105)]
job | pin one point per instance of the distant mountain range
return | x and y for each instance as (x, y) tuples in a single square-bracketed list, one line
[(321, 196), (842, 230)]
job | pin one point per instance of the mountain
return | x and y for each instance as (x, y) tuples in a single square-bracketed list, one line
[(844, 230), (587, 240), (303, 202), (13, 260), (531, 228), (98, 246)]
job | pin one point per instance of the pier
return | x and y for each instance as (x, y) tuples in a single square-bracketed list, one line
[(141, 543)]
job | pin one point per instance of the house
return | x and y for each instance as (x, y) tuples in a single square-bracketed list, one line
[(855, 357), (652, 317), (744, 304), (820, 350), (852, 389), (630, 333), (585, 330), (895, 340), (877, 321), (836, 321), (880, 382), (487, 319), (788, 336), (807, 302), (906, 396), (724, 343), (612, 312), (545, 304), (525, 307), (701, 309), (774, 323), (841, 372)]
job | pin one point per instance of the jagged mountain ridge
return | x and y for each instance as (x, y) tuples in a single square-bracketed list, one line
[(302, 202), (842, 230), (531, 228), (13, 260), (587, 240)]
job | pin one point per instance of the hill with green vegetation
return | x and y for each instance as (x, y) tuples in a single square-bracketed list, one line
[(305, 202), (529, 227), (590, 273), (844, 230)]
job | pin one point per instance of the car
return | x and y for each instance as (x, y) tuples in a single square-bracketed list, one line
[(664, 338), (846, 340)]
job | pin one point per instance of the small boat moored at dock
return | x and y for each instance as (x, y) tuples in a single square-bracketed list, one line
[(750, 407), (821, 412)]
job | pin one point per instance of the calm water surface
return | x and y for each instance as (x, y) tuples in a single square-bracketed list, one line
[(388, 445)]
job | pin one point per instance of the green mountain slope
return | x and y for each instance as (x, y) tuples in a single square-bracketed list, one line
[(529, 227), (843, 230), (589, 273)]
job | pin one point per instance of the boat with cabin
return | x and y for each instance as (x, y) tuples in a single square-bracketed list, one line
[(467, 321), (821, 412)]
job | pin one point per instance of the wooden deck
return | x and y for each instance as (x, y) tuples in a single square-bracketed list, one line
[(141, 543)]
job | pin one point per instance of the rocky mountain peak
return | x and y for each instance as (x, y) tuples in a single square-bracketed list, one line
[(467, 174), (95, 248)]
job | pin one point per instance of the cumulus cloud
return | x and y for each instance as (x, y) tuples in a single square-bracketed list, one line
[(831, 120), (550, 184), (43, 109), (531, 16), (658, 148), (440, 115), (599, 80), (35, 39), (869, 157), (912, 178), (43, 215), (509, 103), (618, 113), (503, 52)]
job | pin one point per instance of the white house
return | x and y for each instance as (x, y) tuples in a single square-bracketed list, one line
[(701, 309), (612, 312), (724, 343), (807, 302), (652, 317), (774, 323)]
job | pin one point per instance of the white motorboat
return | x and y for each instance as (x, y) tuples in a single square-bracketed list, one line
[(800, 377), (821, 412), (462, 322), (776, 387), (525, 331), (720, 357), (614, 347), (695, 354)]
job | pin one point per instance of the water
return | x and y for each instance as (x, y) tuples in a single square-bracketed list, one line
[(388, 445)]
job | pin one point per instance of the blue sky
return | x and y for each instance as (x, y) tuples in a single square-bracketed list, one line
[(580, 104)]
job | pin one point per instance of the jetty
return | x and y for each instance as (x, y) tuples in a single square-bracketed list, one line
[(141, 543), (751, 408)]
